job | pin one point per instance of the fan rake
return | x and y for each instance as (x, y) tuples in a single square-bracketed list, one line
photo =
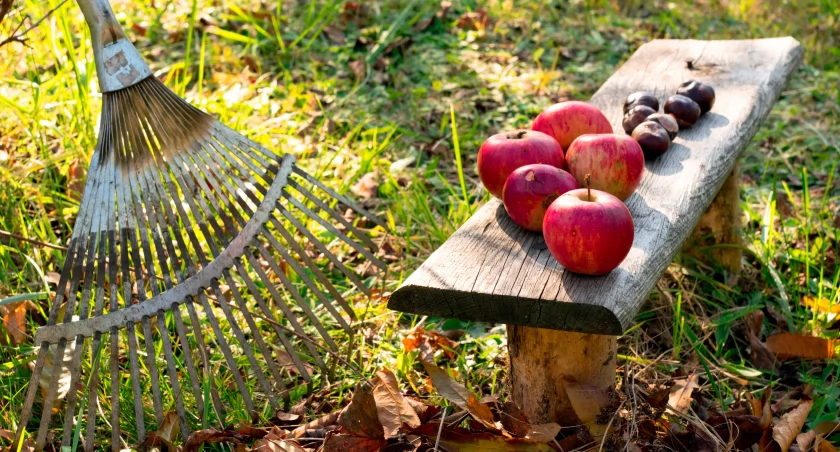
[(185, 225)]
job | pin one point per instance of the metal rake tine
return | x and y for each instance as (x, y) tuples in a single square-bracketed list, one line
[(255, 292), (124, 225), (285, 256), (150, 221), (328, 226), (333, 194), (79, 268), (207, 308), (139, 415), (128, 239), (93, 388), (137, 217), (173, 375), (78, 351), (93, 243), (158, 184), (308, 281), (281, 249), (350, 275), (314, 267), (323, 249), (156, 221), (49, 399), (115, 393), (196, 164), (237, 330), (290, 317), (266, 352), (296, 295), (199, 337), (335, 215)]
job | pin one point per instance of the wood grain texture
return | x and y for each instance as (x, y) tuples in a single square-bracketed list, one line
[(721, 225), (540, 358), (491, 270)]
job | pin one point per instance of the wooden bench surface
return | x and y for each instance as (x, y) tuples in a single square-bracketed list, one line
[(491, 270)]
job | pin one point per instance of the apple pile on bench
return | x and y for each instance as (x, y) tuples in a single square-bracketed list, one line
[(560, 323)]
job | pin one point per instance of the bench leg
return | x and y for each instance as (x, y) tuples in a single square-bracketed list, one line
[(721, 225), (539, 358)]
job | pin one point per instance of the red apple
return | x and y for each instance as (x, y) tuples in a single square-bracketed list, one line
[(588, 233), (568, 120), (504, 152), (530, 189), (616, 163)]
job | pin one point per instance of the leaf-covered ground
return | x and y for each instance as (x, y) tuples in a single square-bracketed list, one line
[(366, 95)]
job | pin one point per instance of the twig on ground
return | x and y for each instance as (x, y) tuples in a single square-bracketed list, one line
[(32, 241), (21, 38)]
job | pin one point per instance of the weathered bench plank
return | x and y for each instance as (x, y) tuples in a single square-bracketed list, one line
[(492, 270)]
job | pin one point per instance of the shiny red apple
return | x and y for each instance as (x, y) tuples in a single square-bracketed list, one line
[(568, 120), (615, 161), (529, 191), (588, 231), (502, 153)]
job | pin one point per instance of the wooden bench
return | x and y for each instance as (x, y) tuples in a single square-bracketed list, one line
[(561, 323)]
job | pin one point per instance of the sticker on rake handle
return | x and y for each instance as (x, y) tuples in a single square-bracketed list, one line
[(190, 287)]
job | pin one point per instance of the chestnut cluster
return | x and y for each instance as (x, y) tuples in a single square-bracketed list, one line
[(654, 131)]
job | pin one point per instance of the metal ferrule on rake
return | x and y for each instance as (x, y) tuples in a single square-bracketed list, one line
[(193, 249)]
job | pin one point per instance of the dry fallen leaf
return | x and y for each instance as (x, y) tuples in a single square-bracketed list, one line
[(434, 339), (360, 417), (358, 68), (589, 402), (393, 409), (543, 433), (459, 395), (514, 420), (335, 34), (166, 434), (822, 305), (823, 445), (64, 371), (760, 356), (788, 345), (473, 20), (827, 428), (14, 321), (804, 440), (367, 186), (275, 441), (790, 425), (680, 393), (462, 440), (75, 180), (349, 443)]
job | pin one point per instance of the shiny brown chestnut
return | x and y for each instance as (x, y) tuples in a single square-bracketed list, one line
[(636, 116), (666, 121), (699, 92), (653, 138), (641, 98), (683, 109)]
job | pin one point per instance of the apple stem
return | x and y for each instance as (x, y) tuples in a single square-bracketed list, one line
[(517, 135), (588, 188)]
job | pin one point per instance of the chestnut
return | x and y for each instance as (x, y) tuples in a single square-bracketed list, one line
[(666, 121), (636, 116), (653, 138), (699, 92), (683, 109), (641, 98)]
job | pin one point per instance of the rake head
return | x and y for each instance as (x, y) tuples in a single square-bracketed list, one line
[(192, 246)]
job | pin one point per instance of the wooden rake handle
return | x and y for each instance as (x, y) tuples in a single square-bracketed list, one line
[(118, 64)]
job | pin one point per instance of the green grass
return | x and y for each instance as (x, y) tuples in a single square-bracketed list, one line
[(415, 110)]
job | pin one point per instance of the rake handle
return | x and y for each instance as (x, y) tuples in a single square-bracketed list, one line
[(118, 64)]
